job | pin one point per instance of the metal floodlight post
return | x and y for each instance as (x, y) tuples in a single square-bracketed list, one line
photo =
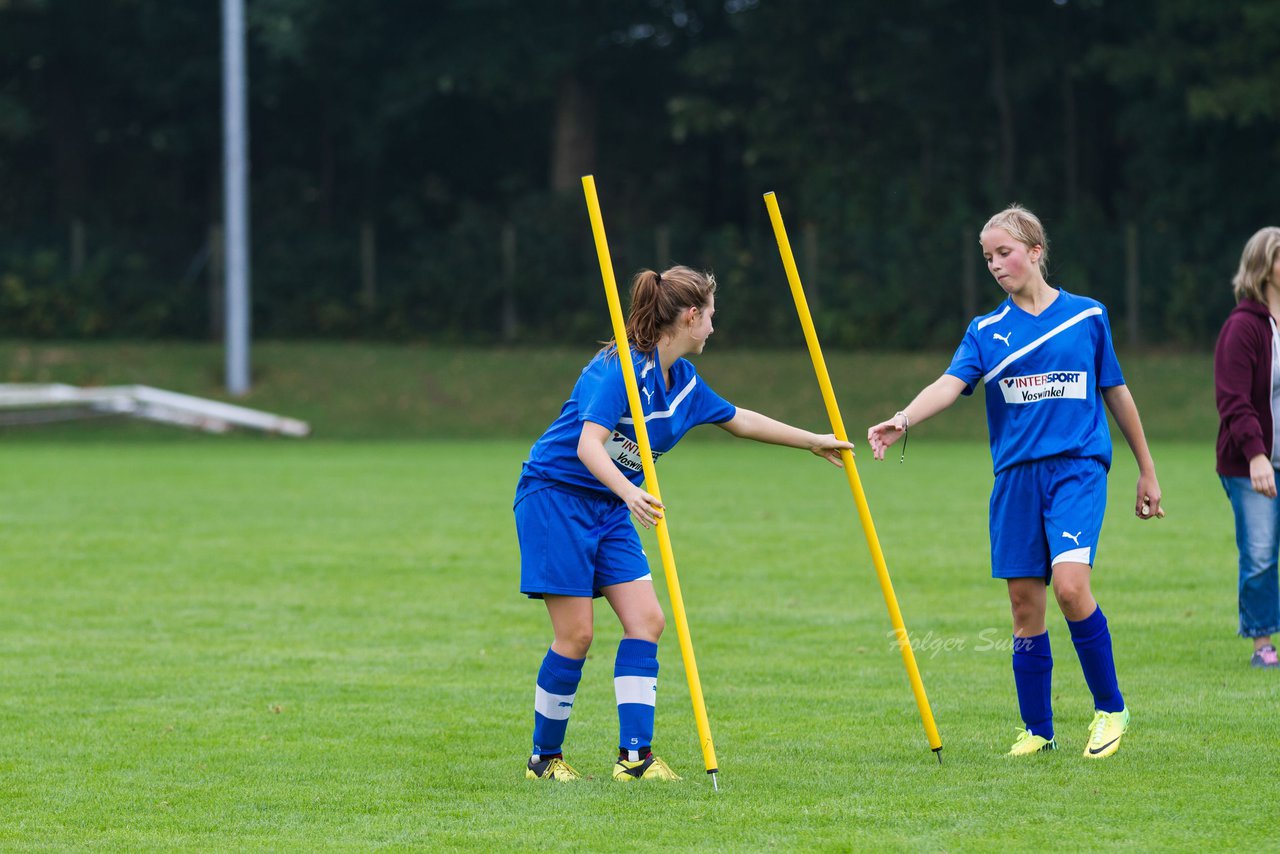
[(650, 477), (851, 471), (235, 181)]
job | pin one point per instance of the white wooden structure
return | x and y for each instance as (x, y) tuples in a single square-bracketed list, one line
[(38, 403)]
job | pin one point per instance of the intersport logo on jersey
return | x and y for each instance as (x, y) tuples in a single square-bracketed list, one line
[(626, 452), (1055, 385)]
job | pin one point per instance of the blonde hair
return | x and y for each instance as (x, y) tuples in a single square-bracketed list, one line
[(657, 299), (1257, 263), (1025, 227)]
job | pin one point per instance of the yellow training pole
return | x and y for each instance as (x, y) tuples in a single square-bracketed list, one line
[(650, 477), (851, 470)]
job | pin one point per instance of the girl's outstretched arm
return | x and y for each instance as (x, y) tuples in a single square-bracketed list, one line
[(931, 400), (1125, 412), (746, 424)]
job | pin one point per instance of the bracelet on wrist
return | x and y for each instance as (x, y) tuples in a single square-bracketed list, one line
[(906, 426)]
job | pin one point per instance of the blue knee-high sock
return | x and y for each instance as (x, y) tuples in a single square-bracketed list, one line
[(635, 683), (557, 686), (1093, 645), (1033, 676)]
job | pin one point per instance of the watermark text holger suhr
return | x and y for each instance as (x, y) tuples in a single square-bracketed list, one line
[(987, 640)]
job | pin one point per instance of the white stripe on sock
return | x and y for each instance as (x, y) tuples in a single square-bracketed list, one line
[(554, 707), (636, 689)]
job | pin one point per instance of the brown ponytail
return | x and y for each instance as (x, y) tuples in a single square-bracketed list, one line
[(657, 299)]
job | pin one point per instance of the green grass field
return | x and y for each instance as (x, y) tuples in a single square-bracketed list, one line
[(263, 645)]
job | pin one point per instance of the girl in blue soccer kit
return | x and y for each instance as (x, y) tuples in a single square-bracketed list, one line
[(1048, 365), (579, 490)]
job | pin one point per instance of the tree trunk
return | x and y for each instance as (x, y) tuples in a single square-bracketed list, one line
[(1004, 105), (1071, 162), (368, 264), (662, 246), (77, 246), (328, 170), (573, 141), (217, 283), (924, 131), (510, 314), (68, 137), (809, 234), (969, 275), (1132, 285)]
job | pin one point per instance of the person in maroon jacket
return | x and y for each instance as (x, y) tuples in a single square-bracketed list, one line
[(1246, 380)]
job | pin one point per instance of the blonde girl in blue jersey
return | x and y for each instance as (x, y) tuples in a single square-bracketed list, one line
[(579, 490), (1048, 365)]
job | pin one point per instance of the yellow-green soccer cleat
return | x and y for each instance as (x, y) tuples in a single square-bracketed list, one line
[(649, 768), (1105, 732), (1028, 744), (554, 768)]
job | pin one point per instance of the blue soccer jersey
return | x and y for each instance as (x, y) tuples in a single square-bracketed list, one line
[(1043, 376), (600, 396)]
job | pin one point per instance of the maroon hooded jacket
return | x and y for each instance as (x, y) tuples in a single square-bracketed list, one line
[(1242, 385)]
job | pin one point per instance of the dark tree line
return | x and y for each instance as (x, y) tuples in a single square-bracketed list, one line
[(415, 165)]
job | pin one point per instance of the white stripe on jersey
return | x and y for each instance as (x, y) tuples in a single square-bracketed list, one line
[(554, 707), (995, 318), (669, 411), (636, 689), (1018, 354)]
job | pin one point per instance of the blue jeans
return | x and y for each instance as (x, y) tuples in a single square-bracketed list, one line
[(1258, 539)]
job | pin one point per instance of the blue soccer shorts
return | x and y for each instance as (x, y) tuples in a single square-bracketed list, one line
[(1044, 513), (573, 543)]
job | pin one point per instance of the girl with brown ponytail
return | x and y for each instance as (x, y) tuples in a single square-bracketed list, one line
[(579, 490)]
